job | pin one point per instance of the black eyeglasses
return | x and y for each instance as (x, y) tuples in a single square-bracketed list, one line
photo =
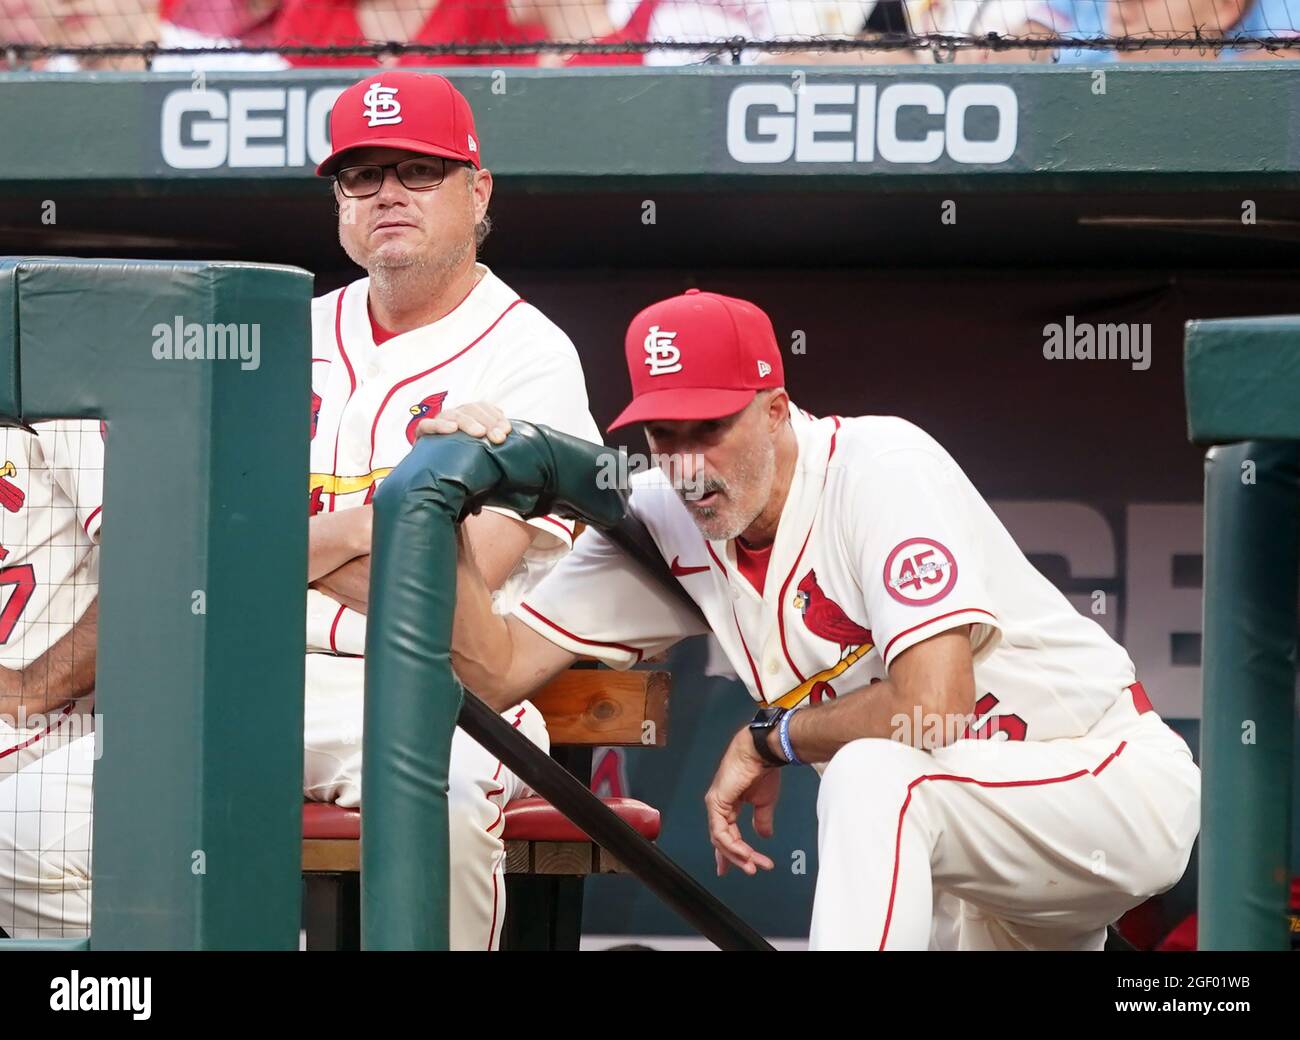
[(421, 173)]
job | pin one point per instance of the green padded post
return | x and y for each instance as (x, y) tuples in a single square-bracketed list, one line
[(1243, 385), (412, 696), (1243, 379), (1252, 531), (198, 794)]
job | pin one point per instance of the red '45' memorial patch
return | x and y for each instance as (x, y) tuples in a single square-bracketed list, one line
[(920, 571)]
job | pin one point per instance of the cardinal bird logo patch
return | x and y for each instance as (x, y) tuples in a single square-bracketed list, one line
[(11, 495), (426, 409), (825, 618), (315, 413)]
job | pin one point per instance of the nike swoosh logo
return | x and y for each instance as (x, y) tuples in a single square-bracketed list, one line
[(680, 572)]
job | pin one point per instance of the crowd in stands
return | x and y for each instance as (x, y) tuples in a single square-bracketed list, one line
[(223, 24)]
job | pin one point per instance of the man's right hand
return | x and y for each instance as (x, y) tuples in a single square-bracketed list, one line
[(479, 419)]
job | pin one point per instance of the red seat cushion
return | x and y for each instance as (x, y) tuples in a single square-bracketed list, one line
[(535, 819), (324, 820), (527, 819)]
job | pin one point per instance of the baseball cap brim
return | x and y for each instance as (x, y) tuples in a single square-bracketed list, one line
[(683, 404), (331, 163)]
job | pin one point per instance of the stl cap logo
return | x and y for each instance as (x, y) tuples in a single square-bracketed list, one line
[(764, 370), (382, 106), (473, 147), (660, 355)]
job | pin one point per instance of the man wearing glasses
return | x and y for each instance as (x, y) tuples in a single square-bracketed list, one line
[(428, 330)]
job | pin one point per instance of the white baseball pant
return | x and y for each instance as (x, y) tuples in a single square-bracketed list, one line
[(996, 844), (46, 798), (479, 788)]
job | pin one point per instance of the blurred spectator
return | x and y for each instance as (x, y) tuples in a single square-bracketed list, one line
[(1265, 18), (592, 21), (689, 21), (692, 21), (599, 21), (341, 23), (201, 24), (218, 23), (248, 21), (1010, 19), (91, 23), (1242, 19), (19, 22)]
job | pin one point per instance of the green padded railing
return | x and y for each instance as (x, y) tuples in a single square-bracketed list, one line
[(198, 793), (412, 697)]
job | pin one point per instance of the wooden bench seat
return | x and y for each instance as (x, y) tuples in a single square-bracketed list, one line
[(331, 838)]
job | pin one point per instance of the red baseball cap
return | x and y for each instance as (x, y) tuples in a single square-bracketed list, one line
[(416, 111), (700, 355)]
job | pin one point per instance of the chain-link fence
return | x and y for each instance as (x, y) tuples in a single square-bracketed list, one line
[(58, 35)]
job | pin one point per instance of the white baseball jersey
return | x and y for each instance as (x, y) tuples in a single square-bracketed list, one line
[(367, 401), (883, 542), (51, 492)]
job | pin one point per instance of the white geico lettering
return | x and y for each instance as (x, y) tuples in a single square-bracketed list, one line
[(246, 127), (846, 123)]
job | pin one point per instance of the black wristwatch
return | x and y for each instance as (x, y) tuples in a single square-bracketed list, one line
[(764, 722)]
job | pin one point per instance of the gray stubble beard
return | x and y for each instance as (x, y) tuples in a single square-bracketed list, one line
[(755, 470), (424, 274)]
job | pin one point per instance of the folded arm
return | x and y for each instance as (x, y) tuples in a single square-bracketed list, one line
[(65, 672)]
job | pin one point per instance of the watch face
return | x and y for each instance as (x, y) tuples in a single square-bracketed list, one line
[(766, 718)]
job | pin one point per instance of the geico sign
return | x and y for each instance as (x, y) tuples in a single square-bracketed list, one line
[(854, 122), (246, 127)]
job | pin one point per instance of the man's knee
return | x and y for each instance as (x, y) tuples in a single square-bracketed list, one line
[(475, 804), (1160, 860), (1159, 873), (870, 775)]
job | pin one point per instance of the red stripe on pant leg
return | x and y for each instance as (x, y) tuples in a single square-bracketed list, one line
[(902, 813), (493, 929), (501, 812)]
